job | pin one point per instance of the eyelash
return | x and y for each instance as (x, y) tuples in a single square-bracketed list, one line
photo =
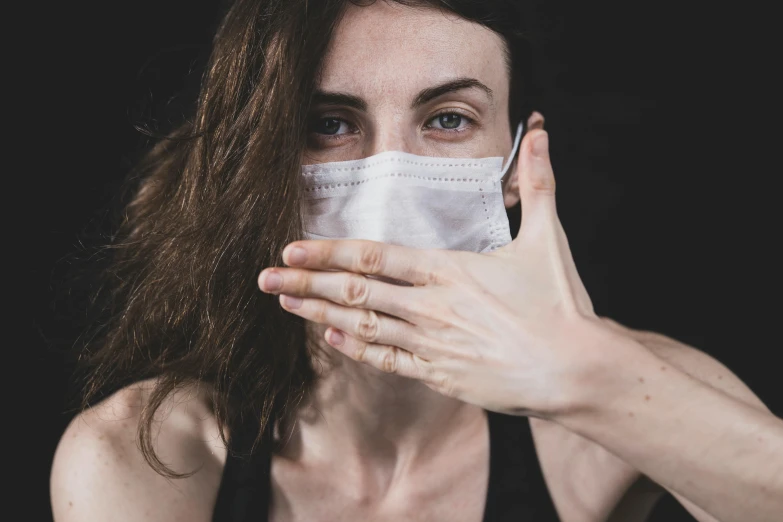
[(469, 124)]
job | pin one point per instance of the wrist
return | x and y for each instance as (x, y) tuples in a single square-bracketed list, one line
[(611, 364)]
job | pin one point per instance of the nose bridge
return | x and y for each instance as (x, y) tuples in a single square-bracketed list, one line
[(390, 133)]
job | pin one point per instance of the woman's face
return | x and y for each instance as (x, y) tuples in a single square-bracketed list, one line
[(414, 80)]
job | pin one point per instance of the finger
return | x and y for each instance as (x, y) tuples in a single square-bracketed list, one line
[(539, 210), (536, 180), (535, 121), (511, 190), (412, 265), (344, 288), (581, 298), (388, 359), (365, 325)]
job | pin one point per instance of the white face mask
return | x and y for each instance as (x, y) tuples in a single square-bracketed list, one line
[(415, 201)]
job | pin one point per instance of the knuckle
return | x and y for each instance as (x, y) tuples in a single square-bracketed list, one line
[(432, 278), (306, 283), (446, 269), (424, 369), (355, 291), (543, 184), (438, 269), (370, 259), (368, 326), (446, 386), (389, 361), (303, 285), (360, 352), (296, 282), (320, 312)]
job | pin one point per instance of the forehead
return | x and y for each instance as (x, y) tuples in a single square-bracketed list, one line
[(387, 48)]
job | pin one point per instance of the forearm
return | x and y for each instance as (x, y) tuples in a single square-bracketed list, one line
[(716, 451)]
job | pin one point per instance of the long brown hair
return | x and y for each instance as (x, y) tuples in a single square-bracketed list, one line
[(215, 203)]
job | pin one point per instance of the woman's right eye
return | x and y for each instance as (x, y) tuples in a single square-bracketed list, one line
[(330, 126)]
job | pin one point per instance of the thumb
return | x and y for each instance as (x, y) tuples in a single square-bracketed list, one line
[(536, 180)]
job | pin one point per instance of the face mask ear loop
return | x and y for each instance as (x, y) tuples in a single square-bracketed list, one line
[(517, 139)]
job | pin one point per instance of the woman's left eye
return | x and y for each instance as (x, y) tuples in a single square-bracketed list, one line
[(450, 121)]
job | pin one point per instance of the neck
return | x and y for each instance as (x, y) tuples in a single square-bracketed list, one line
[(356, 413)]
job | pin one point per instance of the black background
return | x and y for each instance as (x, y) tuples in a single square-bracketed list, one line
[(659, 119)]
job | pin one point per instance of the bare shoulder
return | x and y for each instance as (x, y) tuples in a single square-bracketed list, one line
[(99, 472)]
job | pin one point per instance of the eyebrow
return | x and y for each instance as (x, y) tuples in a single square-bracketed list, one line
[(430, 93), (339, 98), (424, 96)]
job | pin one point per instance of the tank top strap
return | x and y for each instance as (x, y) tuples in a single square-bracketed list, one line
[(245, 486), (517, 491)]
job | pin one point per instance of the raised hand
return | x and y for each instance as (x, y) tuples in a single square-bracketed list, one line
[(511, 331)]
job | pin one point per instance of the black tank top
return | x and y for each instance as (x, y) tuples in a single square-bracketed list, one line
[(516, 492)]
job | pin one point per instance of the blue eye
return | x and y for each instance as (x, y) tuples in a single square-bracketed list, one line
[(450, 121)]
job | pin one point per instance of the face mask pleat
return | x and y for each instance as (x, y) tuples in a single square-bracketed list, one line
[(404, 199)]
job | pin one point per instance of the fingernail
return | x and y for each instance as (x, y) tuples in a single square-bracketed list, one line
[(272, 281), (541, 145), (336, 338), (291, 302), (536, 121), (297, 256)]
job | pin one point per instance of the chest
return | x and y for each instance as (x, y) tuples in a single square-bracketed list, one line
[(452, 489)]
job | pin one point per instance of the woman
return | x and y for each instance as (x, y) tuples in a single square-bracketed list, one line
[(470, 380)]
